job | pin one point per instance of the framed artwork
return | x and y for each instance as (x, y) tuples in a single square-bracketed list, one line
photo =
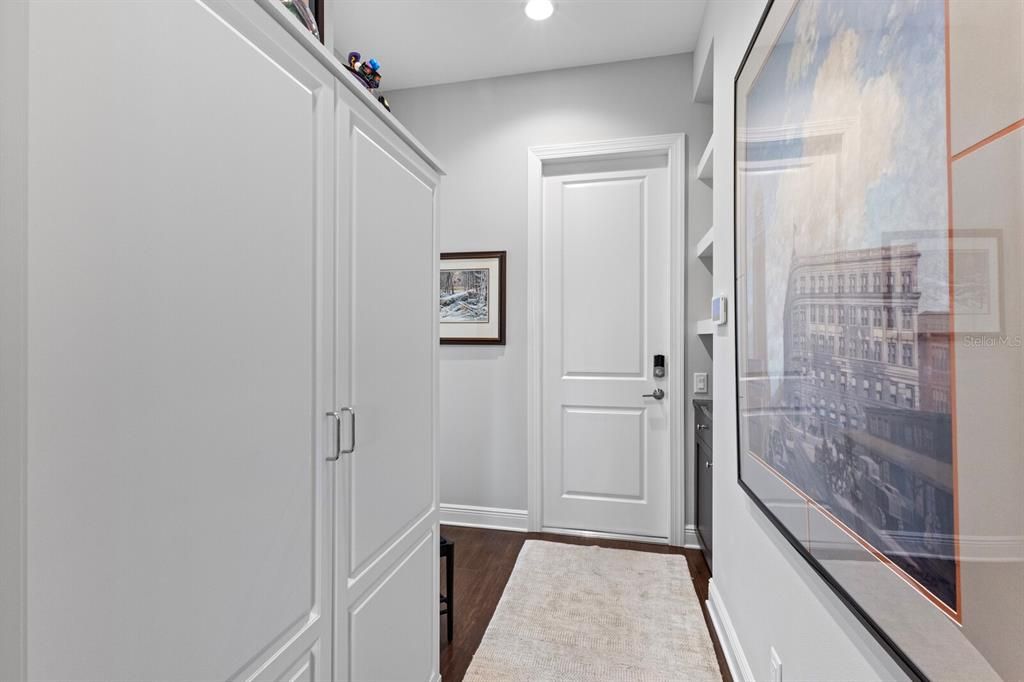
[(310, 13), (854, 296), (317, 7), (976, 286), (472, 298)]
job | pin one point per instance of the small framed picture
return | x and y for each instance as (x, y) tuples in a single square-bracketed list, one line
[(472, 298), (975, 288)]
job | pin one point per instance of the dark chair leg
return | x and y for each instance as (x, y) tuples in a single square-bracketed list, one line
[(449, 571)]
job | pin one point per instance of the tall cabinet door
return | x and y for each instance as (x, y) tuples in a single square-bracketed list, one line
[(388, 550), (180, 342)]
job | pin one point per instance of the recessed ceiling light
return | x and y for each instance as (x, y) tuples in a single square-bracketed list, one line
[(539, 10)]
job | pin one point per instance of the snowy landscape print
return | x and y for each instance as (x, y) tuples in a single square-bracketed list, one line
[(464, 296)]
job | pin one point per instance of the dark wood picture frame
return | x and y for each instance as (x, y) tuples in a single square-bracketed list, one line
[(318, 14), (499, 340)]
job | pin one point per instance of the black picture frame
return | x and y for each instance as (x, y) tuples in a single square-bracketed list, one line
[(499, 338), (318, 14), (877, 632)]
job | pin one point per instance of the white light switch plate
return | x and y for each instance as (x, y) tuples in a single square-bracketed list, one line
[(720, 309), (700, 382)]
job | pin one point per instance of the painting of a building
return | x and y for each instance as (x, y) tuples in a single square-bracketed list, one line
[(852, 336), (861, 423), (934, 358)]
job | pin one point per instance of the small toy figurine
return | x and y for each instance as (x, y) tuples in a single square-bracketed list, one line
[(366, 71)]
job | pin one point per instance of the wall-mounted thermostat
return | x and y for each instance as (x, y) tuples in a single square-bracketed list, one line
[(719, 309)]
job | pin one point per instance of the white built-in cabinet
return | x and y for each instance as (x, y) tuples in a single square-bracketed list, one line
[(229, 277)]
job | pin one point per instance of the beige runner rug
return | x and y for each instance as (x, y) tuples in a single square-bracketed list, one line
[(579, 613)]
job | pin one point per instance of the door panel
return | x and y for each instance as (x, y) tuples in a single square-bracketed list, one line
[(388, 616), (392, 385), (605, 314), (703, 426), (705, 488), (392, 626), (603, 277), (596, 451), (178, 345), (304, 669)]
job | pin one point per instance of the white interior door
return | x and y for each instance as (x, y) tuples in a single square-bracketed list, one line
[(180, 335), (388, 558), (605, 302)]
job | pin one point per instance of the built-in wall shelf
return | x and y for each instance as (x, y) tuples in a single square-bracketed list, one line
[(706, 166), (703, 92), (706, 247)]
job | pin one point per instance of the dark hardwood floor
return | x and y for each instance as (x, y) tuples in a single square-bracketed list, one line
[(483, 564)]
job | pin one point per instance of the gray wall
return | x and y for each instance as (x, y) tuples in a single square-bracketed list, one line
[(772, 596), (481, 131)]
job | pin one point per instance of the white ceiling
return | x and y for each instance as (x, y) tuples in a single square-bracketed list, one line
[(427, 42)]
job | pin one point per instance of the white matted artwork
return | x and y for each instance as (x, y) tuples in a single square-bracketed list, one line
[(976, 284), (471, 297)]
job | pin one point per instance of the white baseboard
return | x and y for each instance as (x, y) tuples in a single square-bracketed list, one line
[(690, 538), (739, 668), (483, 517)]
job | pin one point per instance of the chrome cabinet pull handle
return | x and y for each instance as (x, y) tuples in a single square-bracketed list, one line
[(702, 427), (338, 452), (352, 443), (337, 436)]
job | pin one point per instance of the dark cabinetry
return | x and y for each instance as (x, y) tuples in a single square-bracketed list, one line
[(705, 462)]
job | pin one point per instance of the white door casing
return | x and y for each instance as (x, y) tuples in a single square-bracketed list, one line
[(179, 502), (605, 298)]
